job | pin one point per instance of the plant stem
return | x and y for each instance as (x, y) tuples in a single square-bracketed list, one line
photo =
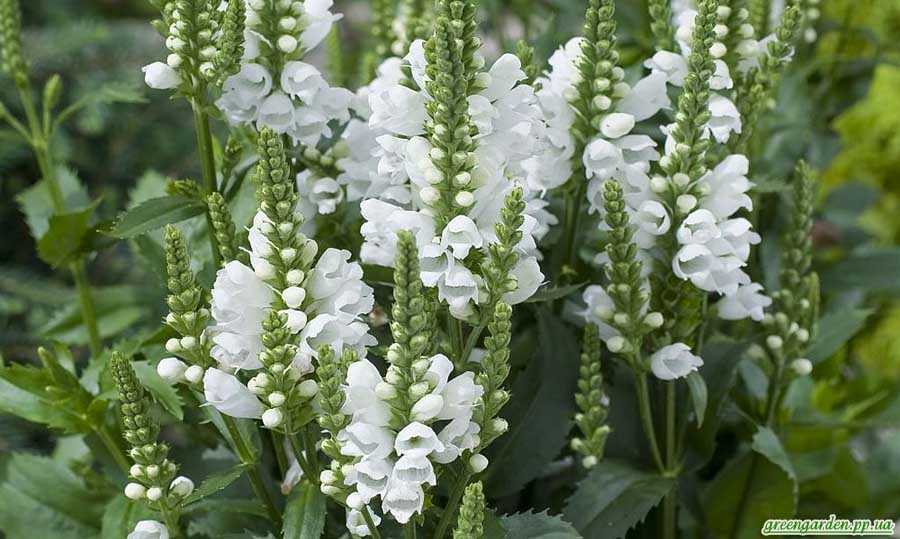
[(643, 395), (207, 169), (40, 145), (245, 453), (171, 520), (280, 455), (670, 530), (114, 450), (772, 399), (373, 530), (409, 531), (309, 442), (301, 460), (452, 504), (572, 217)]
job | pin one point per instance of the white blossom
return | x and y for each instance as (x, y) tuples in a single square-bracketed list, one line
[(149, 529), (674, 361), (227, 394)]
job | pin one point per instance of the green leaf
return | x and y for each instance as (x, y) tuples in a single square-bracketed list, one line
[(553, 293), (36, 203), (866, 269), (246, 507), (118, 308), (304, 516), (155, 213), (164, 393), (540, 411), (43, 498), (537, 526), (835, 329), (758, 485), (120, 517), (699, 396), (108, 93), (215, 483), (67, 236), (614, 498)]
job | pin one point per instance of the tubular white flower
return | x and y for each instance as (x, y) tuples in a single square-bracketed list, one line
[(171, 369), (674, 361), (227, 394), (149, 529), (160, 76)]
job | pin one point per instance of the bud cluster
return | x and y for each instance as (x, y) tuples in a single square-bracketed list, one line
[(12, 62), (470, 523), (452, 65), (191, 29), (592, 402), (494, 371), (153, 474), (502, 254), (223, 228), (188, 316)]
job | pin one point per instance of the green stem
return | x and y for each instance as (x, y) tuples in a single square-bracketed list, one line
[(373, 530), (670, 523), (772, 399), (409, 530), (114, 450), (643, 395), (245, 453), (280, 455), (301, 460), (449, 514), (207, 169), (309, 442), (171, 520), (40, 144), (572, 218)]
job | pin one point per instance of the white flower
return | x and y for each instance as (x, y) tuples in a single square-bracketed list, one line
[(336, 331), (403, 500), (460, 236), (356, 523), (335, 286), (149, 529), (240, 301), (457, 288), (414, 469), (398, 110), (747, 301), (325, 193), (698, 227), (276, 112), (461, 434), (361, 402), (504, 74), (245, 91), (528, 276), (599, 310), (646, 98), (728, 186), (652, 219), (371, 477), (160, 76), (458, 397), (725, 118), (616, 124), (672, 65), (708, 271), (417, 439), (317, 20), (302, 80), (383, 222), (171, 369), (365, 440), (228, 395), (674, 361)]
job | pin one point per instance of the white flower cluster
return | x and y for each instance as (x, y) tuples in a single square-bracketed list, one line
[(389, 164), (274, 88), (324, 307), (394, 458)]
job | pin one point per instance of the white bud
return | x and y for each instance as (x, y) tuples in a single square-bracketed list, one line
[(288, 254), (654, 320), (152, 471), (589, 462), (171, 369), (263, 269), (354, 501), (433, 175), (478, 463), (295, 277), (462, 179), (802, 335), (810, 35), (173, 345), (182, 487), (747, 47), (602, 102), (327, 477), (308, 388), (427, 408), (483, 79), (136, 470), (723, 12), (430, 195), (287, 23), (188, 342), (174, 60), (287, 44), (499, 424), (686, 203), (464, 199), (620, 318), (718, 50), (616, 344), (272, 417), (154, 494), (659, 185), (802, 366), (293, 296), (277, 398), (194, 374), (774, 342), (618, 73), (385, 391), (721, 31), (746, 30), (135, 491)]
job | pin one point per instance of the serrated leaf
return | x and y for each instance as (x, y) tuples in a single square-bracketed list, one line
[(43, 498), (67, 236), (699, 396), (163, 392), (537, 526), (540, 411), (613, 498), (36, 203), (835, 329), (155, 213), (766, 443), (216, 483), (304, 516)]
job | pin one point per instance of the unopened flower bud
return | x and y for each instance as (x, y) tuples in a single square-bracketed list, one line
[(430, 195), (774, 342), (136, 471), (654, 320), (171, 369), (802, 366), (173, 345), (272, 418), (295, 277), (616, 344), (686, 203), (182, 487), (464, 199), (194, 374), (308, 389), (287, 44), (427, 408), (154, 494), (152, 471), (135, 491), (354, 501), (277, 398), (293, 296), (478, 463)]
